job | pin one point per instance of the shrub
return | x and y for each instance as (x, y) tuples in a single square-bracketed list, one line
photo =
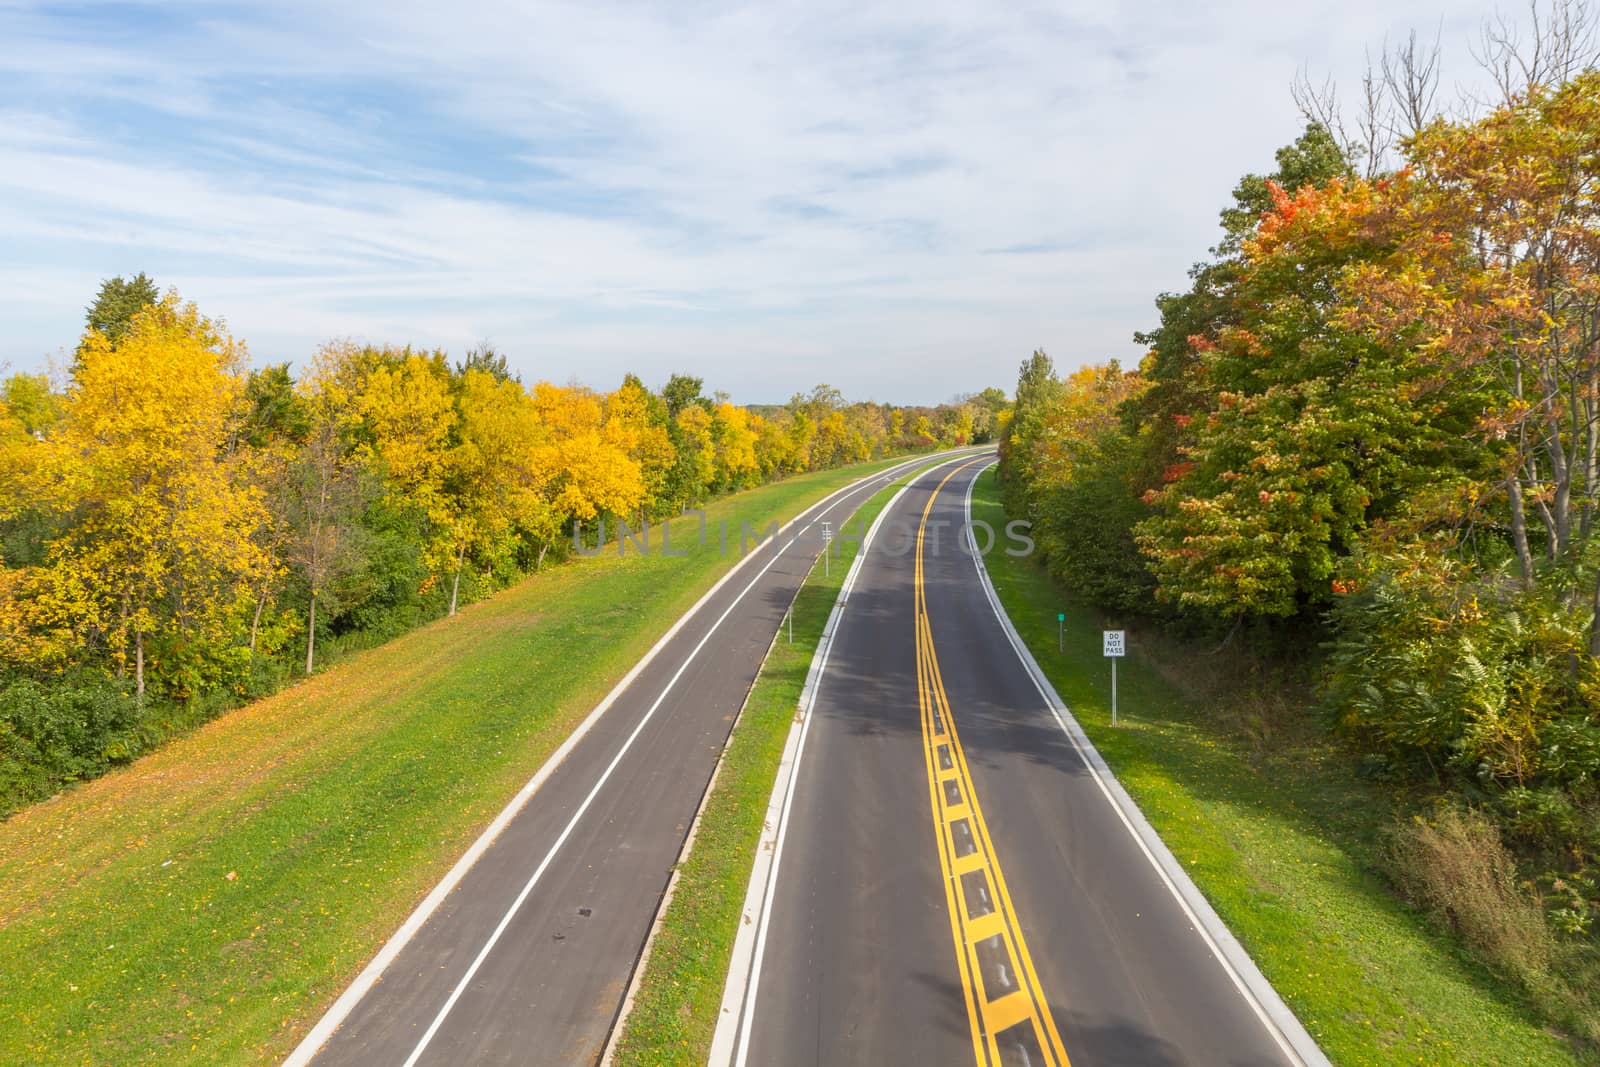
[(73, 727), (1457, 869), (1471, 675)]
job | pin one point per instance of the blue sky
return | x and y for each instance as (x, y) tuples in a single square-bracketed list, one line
[(901, 200)]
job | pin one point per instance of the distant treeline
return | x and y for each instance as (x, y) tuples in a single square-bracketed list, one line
[(179, 530)]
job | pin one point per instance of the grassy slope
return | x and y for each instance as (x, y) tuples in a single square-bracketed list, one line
[(205, 904), (1282, 847), (675, 1012)]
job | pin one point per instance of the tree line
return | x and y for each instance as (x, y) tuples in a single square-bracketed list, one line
[(180, 530), (1368, 436)]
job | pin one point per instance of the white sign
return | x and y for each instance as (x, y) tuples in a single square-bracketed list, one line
[(1116, 642)]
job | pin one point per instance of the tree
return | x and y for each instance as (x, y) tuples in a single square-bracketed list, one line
[(32, 403), (681, 391), (1037, 390), (118, 301), (484, 357), (696, 469), (160, 544), (637, 422), (581, 472), (322, 495), (1508, 212), (493, 473), (735, 445), (1082, 494), (1311, 425)]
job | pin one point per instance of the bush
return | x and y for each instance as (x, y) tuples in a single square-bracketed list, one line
[(73, 727), (1468, 675), (1458, 870)]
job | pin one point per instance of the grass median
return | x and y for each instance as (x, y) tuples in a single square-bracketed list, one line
[(208, 902), (1282, 842), (675, 1010)]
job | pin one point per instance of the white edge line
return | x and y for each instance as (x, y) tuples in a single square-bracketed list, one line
[(1281, 1023), (732, 1036), (370, 975)]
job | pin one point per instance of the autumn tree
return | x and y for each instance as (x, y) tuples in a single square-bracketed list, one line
[(583, 473), (1508, 208), (32, 403), (734, 443), (637, 421), (159, 544)]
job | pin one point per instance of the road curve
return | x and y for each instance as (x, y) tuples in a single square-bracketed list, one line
[(525, 953), (955, 887)]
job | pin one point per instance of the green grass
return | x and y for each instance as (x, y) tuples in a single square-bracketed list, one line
[(1282, 842), (207, 903), (674, 1013)]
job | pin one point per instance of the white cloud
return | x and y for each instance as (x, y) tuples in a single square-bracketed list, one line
[(766, 194)]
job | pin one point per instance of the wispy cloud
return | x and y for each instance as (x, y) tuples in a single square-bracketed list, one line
[(901, 200)]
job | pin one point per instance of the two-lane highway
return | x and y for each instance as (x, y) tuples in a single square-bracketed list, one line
[(524, 953), (955, 884)]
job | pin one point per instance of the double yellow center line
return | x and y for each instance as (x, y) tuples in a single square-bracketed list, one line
[(1006, 1007)]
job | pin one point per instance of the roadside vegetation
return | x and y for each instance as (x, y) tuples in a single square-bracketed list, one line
[(1360, 465), (207, 903), (675, 1009), (1284, 835), (181, 531)]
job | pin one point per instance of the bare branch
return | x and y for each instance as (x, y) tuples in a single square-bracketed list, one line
[(1374, 126), (1320, 104), (1411, 78), (1557, 40)]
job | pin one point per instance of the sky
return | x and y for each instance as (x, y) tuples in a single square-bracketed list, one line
[(901, 200)]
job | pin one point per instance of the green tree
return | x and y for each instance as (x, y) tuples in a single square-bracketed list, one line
[(484, 357), (681, 391), (118, 301), (30, 401)]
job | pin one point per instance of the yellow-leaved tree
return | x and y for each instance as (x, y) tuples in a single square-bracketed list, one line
[(584, 472), (735, 443), (18, 462), (159, 544), (496, 484), (699, 450), (636, 422)]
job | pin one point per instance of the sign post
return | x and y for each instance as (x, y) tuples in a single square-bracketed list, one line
[(827, 545), (1116, 643), (1061, 631)]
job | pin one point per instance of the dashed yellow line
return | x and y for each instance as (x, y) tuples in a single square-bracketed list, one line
[(1006, 1006)]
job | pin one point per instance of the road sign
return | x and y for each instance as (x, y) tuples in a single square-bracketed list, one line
[(827, 546), (1116, 646)]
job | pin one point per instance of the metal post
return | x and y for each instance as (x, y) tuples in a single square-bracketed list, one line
[(1113, 691), (790, 614)]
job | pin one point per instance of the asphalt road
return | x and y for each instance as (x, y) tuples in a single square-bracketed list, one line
[(528, 958), (954, 887)]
